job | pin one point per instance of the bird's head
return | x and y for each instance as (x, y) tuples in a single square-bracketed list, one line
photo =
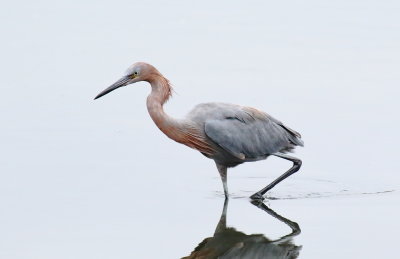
[(139, 71)]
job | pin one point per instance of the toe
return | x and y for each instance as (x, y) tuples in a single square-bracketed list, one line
[(257, 197)]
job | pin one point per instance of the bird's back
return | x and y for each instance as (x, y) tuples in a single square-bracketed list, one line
[(246, 133)]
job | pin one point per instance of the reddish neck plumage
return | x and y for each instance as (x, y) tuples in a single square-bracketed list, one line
[(160, 93), (175, 129)]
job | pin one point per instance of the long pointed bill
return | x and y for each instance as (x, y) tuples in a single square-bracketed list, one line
[(121, 82)]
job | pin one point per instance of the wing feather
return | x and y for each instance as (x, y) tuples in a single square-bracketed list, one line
[(251, 134)]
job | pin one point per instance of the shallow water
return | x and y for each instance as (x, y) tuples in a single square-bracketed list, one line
[(96, 179), (117, 217)]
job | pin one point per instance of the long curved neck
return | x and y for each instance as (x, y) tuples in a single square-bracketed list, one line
[(160, 93), (175, 129)]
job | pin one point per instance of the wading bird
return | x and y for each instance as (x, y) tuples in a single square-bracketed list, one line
[(227, 242), (227, 133)]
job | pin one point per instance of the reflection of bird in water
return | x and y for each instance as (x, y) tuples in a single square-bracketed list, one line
[(229, 134), (229, 243)]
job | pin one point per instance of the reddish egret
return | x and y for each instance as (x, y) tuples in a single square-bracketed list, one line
[(229, 134), (227, 242)]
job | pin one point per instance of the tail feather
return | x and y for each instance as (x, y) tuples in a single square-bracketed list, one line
[(294, 136)]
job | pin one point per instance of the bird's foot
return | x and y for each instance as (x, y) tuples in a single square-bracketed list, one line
[(226, 195), (257, 197)]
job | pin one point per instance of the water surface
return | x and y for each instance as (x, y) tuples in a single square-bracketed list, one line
[(96, 179)]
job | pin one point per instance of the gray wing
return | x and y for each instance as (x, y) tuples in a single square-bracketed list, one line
[(252, 134)]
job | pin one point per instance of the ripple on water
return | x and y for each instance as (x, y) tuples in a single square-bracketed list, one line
[(304, 189)]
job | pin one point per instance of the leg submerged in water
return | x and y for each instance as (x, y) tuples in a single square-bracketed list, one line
[(223, 173)]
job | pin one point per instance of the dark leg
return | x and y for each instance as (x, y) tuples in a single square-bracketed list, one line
[(296, 166), (222, 172)]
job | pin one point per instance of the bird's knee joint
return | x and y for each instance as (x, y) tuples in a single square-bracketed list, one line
[(297, 163)]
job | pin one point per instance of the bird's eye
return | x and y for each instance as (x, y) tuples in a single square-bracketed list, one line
[(134, 74)]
